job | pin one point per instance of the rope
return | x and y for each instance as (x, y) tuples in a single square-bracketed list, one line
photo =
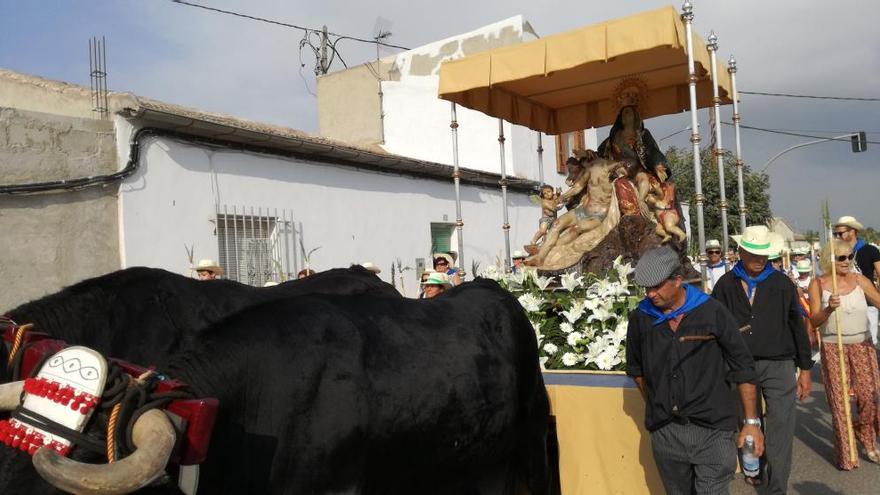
[(16, 344), (111, 433)]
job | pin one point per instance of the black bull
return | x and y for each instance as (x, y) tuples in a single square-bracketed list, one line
[(364, 394), (145, 315)]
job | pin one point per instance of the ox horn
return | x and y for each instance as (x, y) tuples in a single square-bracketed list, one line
[(10, 395), (154, 437)]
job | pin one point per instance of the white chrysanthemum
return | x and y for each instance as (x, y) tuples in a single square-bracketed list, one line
[(566, 327), (550, 348), (608, 359), (591, 303), (569, 359), (573, 338), (530, 302)]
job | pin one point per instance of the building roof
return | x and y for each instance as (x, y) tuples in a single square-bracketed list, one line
[(228, 130)]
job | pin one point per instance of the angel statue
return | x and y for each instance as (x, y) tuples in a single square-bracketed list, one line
[(549, 202)]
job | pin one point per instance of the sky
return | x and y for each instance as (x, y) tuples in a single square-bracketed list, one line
[(220, 63)]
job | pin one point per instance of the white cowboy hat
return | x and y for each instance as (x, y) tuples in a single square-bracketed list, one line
[(851, 222), (371, 267), (804, 266), (518, 254), (436, 278), (208, 266), (445, 256), (758, 240), (713, 243)]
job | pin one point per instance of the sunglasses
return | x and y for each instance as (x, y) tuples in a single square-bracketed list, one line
[(713, 251), (839, 233), (845, 257)]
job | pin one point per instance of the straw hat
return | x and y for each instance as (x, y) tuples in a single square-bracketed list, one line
[(851, 222), (804, 266), (436, 278), (371, 267), (758, 240), (445, 256), (208, 266), (518, 255), (713, 243)]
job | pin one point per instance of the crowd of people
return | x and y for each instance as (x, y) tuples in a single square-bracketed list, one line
[(765, 313), (763, 317)]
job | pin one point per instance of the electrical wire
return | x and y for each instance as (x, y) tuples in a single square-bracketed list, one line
[(773, 131), (814, 97), (284, 24)]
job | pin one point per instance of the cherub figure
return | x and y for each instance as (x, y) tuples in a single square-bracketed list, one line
[(549, 201), (661, 199)]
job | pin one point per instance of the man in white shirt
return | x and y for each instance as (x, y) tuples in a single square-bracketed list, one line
[(716, 266)]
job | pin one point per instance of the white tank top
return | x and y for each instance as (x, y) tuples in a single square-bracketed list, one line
[(853, 313)]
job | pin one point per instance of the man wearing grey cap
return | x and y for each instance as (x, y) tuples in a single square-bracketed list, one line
[(682, 350)]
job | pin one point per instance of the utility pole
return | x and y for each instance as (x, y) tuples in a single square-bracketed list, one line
[(323, 61)]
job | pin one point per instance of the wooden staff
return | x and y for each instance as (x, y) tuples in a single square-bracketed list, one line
[(840, 354)]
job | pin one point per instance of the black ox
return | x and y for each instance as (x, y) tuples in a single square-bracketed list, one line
[(365, 394), (145, 315)]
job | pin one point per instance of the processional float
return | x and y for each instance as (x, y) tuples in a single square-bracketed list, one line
[(582, 78)]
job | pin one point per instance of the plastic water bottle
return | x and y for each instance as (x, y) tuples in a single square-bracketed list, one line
[(751, 465)]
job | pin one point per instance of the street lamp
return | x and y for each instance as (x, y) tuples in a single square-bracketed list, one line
[(858, 144)]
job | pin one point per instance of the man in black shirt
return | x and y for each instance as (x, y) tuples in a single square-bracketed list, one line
[(765, 301), (682, 349), (867, 260)]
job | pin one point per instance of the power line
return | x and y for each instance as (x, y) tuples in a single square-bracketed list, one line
[(814, 97), (775, 131), (284, 24)]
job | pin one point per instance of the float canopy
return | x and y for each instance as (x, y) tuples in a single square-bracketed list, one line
[(578, 79)]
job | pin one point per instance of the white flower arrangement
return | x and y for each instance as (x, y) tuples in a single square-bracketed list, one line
[(582, 323)]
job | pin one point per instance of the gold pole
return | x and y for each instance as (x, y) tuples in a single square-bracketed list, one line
[(840, 355)]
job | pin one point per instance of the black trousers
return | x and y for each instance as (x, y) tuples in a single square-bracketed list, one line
[(693, 459)]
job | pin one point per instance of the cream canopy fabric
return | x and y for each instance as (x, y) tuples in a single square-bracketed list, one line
[(573, 80)]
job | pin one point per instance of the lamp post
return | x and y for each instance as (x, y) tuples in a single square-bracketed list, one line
[(843, 137)]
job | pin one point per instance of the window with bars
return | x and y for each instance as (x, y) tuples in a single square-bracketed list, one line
[(249, 247)]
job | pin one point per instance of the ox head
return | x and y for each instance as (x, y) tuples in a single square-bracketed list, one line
[(153, 436)]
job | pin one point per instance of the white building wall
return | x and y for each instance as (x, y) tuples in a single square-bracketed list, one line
[(353, 215)]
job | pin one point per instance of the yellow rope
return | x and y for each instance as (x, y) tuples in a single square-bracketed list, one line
[(111, 433), (16, 344)]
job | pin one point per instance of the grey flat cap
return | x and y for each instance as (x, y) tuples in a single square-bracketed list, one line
[(656, 265)]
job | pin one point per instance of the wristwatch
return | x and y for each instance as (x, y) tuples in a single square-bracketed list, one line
[(752, 421)]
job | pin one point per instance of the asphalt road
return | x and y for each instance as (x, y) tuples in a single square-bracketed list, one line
[(813, 471)]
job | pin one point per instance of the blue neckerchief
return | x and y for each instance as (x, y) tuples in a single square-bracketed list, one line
[(860, 243), (740, 272), (719, 265), (693, 298)]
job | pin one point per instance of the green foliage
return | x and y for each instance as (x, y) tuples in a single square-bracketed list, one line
[(756, 189)]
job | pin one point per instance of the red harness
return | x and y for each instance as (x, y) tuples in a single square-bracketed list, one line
[(196, 416)]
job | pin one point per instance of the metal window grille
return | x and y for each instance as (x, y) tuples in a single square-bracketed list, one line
[(255, 245)]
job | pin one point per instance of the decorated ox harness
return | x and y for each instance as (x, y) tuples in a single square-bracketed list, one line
[(65, 385)]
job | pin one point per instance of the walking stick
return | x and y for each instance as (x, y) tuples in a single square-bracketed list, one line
[(840, 354)]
